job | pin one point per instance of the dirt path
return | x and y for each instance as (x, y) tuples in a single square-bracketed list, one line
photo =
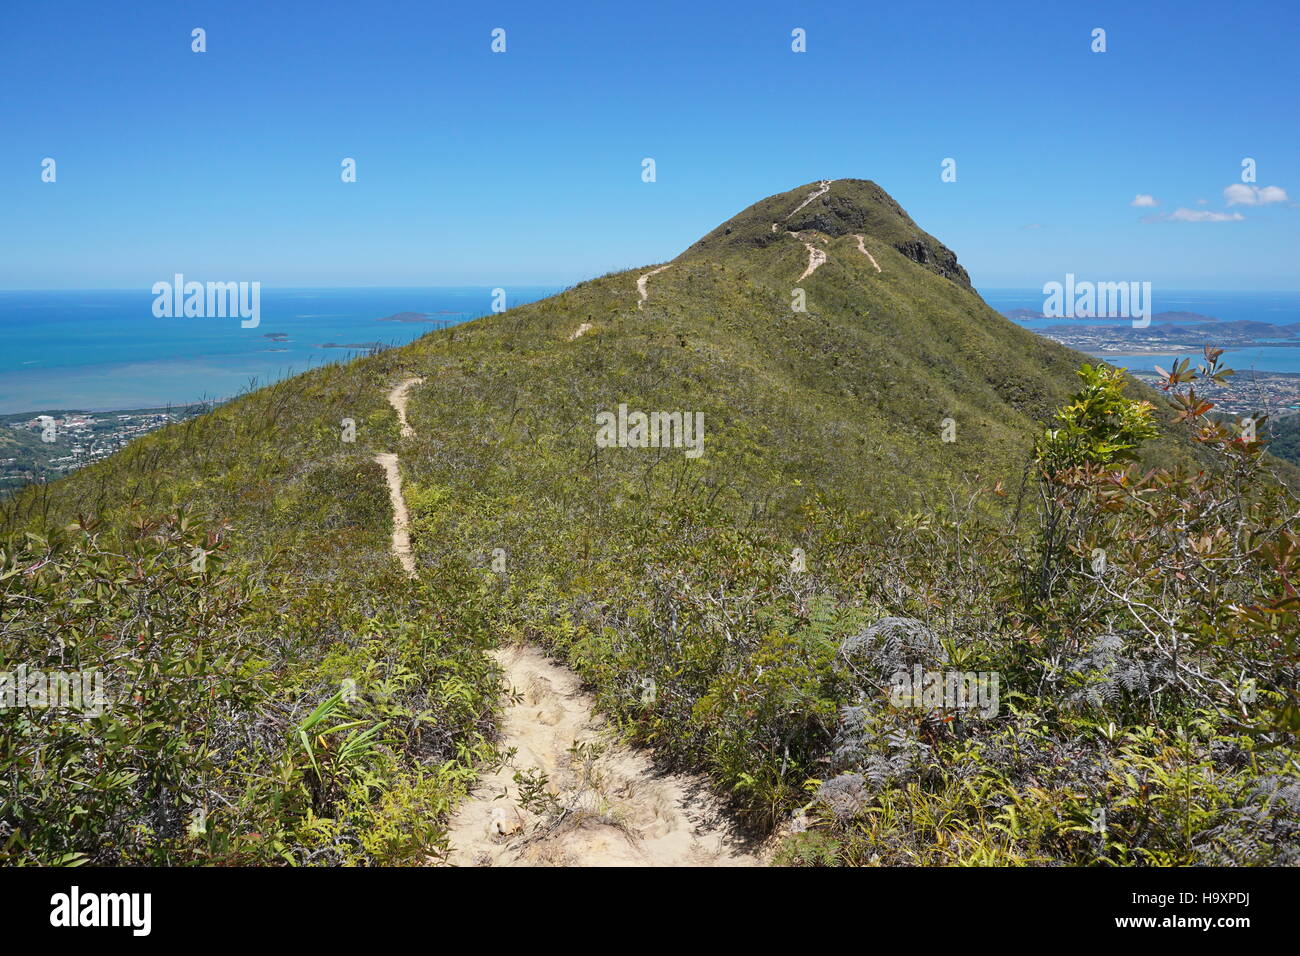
[(397, 398), (816, 258), (597, 802), (641, 290), (603, 803), (863, 250), (401, 518), (822, 188), (388, 462)]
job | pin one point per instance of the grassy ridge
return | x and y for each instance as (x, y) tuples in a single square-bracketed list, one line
[(824, 432), (214, 668)]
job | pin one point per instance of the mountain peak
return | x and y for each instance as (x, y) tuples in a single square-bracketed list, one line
[(835, 208)]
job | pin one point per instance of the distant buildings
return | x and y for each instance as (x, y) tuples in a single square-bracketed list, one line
[(79, 439)]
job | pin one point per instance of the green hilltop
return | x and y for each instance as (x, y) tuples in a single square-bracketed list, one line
[(886, 428), (848, 398)]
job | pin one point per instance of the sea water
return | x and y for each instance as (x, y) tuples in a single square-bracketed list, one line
[(101, 350)]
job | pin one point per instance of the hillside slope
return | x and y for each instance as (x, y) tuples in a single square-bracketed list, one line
[(849, 391), (849, 397)]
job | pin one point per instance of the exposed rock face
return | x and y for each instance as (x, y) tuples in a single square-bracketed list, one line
[(849, 210), (936, 257)]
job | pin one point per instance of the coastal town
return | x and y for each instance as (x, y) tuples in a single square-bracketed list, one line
[(46, 445), (1276, 394), (1174, 334)]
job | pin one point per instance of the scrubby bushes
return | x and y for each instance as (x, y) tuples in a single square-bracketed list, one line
[(1142, 627), (291, 698), (248, 718), (279, 692)]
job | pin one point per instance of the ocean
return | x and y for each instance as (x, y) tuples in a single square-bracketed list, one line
[(1278, 308), (102, 350)]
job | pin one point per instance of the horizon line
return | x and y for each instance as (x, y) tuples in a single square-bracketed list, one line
[(145, 290)]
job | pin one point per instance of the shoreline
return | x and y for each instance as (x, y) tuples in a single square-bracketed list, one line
[(120, 410), (1170, 352)]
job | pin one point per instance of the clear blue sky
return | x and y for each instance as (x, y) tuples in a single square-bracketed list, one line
[(477, 168)]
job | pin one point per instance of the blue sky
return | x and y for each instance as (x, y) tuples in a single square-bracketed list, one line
[(477, 168)]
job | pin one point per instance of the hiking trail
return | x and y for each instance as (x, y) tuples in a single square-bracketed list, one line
[(397, 398), (601, 802), (822, 188), (863, 249), (401, 518), (642, 291), (393, 477), (816, 257), (607, 804)]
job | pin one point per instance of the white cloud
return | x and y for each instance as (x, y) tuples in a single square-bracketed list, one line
[(1240, 194), (1142, 199), (1032, 225), (1183, 214)]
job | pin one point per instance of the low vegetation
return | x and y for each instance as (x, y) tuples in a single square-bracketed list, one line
[(1121, 562)]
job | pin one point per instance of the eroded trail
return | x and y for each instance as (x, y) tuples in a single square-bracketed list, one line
[(401, 517), (397, 398), (393, 477), (599, 803), (641, 289), (823, 187), (570, 794), (863, 249), (816, 258)]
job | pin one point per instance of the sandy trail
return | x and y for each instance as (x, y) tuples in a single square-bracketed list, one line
[(388, 462), (822, 188), (641, 289), (397, 398), (863, 250), (601, 803), (607, 805), (816, 258), (401, 517)]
